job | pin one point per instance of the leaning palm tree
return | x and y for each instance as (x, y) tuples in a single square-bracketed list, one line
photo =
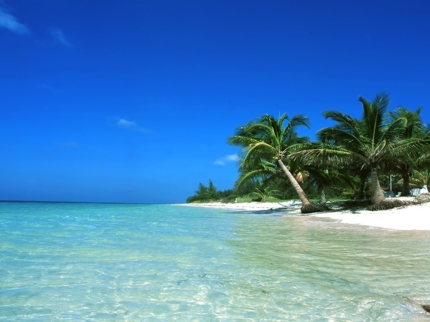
[(272, 140), (267, 173), (371, 140)]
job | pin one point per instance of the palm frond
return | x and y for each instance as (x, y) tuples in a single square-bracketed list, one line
[(249, 175), (323, 155)]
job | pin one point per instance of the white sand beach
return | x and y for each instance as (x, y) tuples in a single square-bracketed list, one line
[(412, 217)]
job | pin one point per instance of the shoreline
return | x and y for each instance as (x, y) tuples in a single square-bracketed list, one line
[(411, 217)]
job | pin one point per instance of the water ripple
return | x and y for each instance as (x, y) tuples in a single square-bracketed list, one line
[(99, 262)]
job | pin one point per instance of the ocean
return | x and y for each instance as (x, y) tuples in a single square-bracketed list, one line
[(145, 262)]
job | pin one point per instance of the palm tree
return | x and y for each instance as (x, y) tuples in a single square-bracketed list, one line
[(267, 173), (414, 128), (371, 140), (263, 194), (421, 178), (323, 178), (271, 140)]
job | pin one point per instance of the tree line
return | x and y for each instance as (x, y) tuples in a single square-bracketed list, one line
[(352, 159)]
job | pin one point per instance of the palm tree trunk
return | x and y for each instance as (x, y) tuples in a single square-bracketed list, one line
[(322, 193), (295, 184), (405, 187), (377, 194)]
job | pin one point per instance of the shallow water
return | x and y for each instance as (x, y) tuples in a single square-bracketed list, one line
[(116, 262)]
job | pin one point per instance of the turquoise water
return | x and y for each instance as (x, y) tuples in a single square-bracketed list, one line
[(116, 262)]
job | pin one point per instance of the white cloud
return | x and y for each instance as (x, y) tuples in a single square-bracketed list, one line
[(9, 22), (125, 123), (227, 159), (58, 36), (131, 125)]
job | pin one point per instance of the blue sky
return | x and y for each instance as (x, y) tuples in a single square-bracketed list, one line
[(133, 101)]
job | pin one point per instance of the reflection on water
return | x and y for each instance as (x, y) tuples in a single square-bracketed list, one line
[(98, 262)]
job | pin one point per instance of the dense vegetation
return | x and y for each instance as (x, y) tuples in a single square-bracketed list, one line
[(210, 193), (355, 158)]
